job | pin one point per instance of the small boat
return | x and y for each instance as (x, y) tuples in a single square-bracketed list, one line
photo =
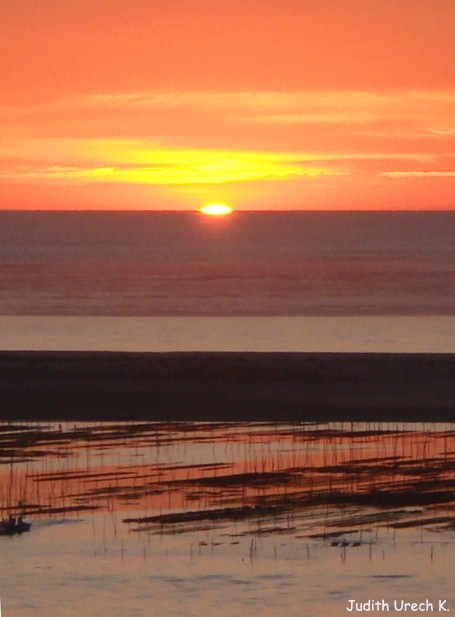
[(12, 526)]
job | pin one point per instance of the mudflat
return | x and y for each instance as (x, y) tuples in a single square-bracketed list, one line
[(289, 387)]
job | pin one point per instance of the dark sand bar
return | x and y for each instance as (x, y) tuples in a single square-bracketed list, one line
[(226, 386)]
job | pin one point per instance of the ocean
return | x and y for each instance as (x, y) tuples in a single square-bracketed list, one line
[(226, 519), (353, 281)]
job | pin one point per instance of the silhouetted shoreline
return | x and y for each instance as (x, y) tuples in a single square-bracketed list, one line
[(286, 387)]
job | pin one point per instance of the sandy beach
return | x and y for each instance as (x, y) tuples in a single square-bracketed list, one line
[(226, 386)]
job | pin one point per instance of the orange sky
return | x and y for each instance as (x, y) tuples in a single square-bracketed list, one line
[(275, 104)]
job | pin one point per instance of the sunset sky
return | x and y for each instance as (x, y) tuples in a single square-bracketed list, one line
[(261, 104)]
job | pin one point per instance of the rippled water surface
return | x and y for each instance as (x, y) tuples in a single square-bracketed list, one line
[(225, 519), (250, 264)]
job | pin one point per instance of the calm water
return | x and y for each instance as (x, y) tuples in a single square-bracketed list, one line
[(365, 333), (225, 519), (143, 264), (252, 281)]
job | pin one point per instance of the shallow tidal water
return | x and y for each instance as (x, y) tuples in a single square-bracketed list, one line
[(350, 334), (225, 519)]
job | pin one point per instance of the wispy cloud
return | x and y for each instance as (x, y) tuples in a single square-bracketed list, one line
[(135, 163), (419, 174), (213, 138), (442, 131), (274, 107)]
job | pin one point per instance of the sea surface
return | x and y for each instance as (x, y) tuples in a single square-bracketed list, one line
[(350, 334), (301, 281), (226, 520), (220, 519)]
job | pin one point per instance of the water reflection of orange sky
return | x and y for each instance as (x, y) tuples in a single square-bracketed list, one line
[(160, 468)]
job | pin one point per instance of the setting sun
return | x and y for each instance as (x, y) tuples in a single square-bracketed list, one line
[(216, 209)]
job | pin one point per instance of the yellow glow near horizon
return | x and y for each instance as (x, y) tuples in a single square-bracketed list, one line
[(113, 161), (216, 209)]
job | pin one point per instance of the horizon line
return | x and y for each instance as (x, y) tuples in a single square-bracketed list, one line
[(240, 211)]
